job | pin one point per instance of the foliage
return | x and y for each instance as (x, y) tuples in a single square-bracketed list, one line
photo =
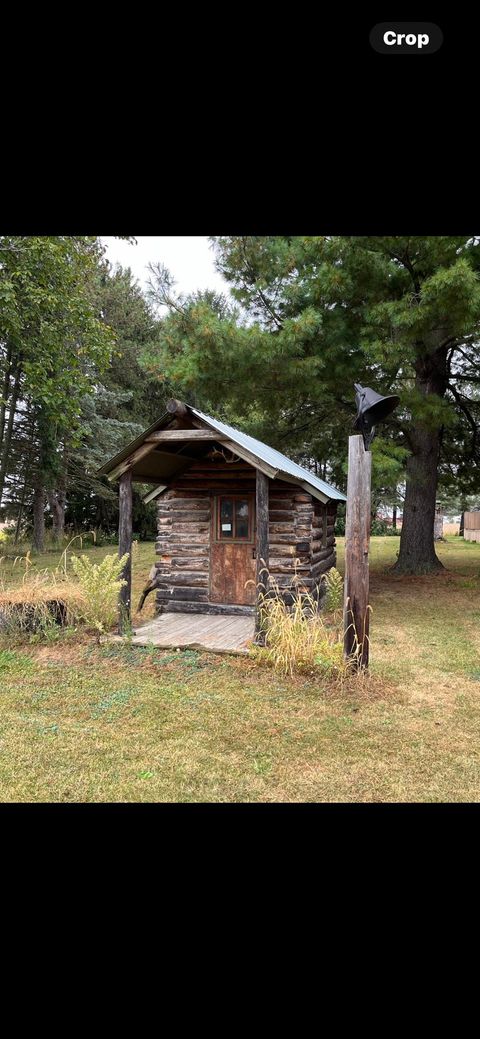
[(310, 316), (340, 519), (53, 345), (297, 639), (112, 404), (333, 581), (100, 584), (56, 568), (48, 318), (39, 605), (380, 528), (117, 409)]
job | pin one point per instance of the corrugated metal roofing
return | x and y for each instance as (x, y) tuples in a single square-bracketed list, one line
[(271, 456), (282, 465)]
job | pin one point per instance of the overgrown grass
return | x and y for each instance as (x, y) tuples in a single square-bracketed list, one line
[(17, 570), (297, 636), (81, 722)]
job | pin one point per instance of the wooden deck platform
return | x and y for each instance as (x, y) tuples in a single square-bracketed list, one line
[(225, 633)]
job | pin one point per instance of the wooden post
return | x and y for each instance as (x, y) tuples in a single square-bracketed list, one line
[(261, 545), (125, 545), (356, 615), (438, 524)]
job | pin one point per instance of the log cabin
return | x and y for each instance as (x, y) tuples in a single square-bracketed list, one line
[(230, 511)]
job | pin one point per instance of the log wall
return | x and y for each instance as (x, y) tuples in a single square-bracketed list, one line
[(301, 541)]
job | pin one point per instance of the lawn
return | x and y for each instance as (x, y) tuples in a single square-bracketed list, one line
[(81, 722)]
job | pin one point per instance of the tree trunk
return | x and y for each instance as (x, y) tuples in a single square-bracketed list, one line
[(417, 552), (21, 506), (7, 438), (462, 522), (38, 543), (394, 517), (25, 483), (56, 501), (6, 390)]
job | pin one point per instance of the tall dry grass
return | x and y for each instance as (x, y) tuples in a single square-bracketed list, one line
[(42, 599), (296, 636)]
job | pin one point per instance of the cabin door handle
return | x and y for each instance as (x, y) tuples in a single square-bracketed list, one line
[(254, 553)]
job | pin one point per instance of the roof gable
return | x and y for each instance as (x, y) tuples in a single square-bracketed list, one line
[(268, 459), (283, 465)]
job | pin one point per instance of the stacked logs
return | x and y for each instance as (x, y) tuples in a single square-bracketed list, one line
[(183, 545), (323, 539), (301, 538)]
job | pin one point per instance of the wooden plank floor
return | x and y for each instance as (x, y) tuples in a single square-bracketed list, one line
[(220, 634)]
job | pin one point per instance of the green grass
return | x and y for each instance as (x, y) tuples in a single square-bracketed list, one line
[(81, 722), (14, 569)]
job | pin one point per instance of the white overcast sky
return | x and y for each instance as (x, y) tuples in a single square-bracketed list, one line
[(189, 259)]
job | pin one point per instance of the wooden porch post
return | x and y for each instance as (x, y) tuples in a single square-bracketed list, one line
[(125, 545), (261, 545), (356, 614)]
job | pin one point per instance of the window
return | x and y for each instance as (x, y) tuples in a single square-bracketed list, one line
[(241, 519), (226, 518), (234, 518)]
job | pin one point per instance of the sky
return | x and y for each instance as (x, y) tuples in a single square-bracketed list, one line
[(188, 257)]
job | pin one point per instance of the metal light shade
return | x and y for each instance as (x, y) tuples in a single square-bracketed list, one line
[(371, 408)]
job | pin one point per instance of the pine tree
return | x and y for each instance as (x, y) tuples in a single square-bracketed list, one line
[(313, 315)]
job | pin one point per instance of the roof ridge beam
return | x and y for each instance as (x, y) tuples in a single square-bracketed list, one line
[(172, 435)]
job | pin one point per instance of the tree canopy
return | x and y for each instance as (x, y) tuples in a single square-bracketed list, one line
[(311, 316), (70, 334), (87, 360)]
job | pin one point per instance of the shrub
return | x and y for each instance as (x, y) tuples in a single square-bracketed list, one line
[(7, 534), (334, 594), (104, 538), (380, 528), (100, 584), (296, 637)]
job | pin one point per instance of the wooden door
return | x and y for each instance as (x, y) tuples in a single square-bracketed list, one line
[(232, 550)]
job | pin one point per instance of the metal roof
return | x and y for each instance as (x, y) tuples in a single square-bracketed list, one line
[(153, 467), (272, 457)]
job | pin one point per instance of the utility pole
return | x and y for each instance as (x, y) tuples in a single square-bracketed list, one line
[(356, 610), (371, 408)]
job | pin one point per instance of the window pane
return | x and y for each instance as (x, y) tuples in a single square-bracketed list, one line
[(226, 518), (241, 519)]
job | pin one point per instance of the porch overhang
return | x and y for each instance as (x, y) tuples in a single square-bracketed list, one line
[(183, 436)]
